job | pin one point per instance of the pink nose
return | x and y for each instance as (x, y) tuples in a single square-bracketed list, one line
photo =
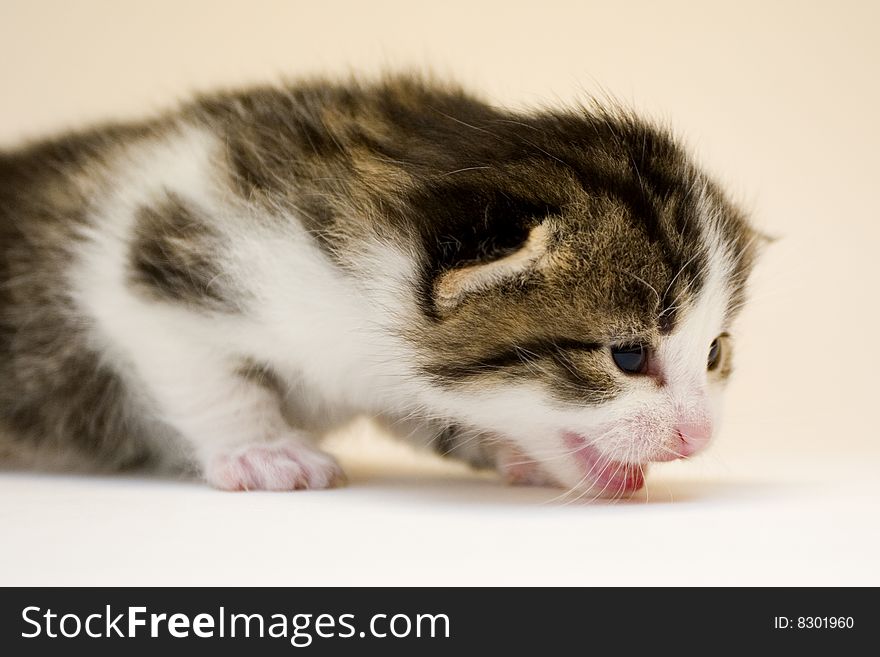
[(693, 436)]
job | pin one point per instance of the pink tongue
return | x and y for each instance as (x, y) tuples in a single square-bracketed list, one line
[(609, 477)]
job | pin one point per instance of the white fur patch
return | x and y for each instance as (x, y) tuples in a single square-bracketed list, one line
[(333, 339)]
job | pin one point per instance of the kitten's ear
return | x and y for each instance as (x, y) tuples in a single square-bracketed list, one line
[(478, 234), (757, 243), (762, 239), (451, 287)]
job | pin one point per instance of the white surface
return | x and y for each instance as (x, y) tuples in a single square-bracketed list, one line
[(698, 523), (781, 99)]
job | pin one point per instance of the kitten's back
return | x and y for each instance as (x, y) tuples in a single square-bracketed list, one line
[(60, 403)]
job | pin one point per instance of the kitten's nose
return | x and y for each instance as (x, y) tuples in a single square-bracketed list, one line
[(693, 436)]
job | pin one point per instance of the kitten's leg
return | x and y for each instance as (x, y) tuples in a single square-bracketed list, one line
[(480, 450), (447, 440), (235, 427)]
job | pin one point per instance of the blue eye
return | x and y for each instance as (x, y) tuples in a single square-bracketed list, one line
[(631, 359), (714, 355)]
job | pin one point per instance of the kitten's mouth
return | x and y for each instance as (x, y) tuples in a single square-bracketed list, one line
[(610, 478)]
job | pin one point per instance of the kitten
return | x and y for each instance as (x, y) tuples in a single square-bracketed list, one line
[(546, 292)]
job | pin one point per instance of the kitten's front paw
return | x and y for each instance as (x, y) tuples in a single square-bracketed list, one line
[(283, 465), (518, 469)]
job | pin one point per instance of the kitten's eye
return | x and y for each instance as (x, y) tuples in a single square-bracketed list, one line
[(714, 355), (632, 360)]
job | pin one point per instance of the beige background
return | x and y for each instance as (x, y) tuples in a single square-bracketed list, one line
[(779, 99)]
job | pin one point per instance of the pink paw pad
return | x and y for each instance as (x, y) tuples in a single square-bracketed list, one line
[(520, 470), (278, 466)]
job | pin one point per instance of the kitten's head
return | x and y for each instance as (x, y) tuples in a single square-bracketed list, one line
[(578, 289)]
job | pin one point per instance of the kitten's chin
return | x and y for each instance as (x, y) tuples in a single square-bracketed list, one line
[(603, 476), (593, 474)]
